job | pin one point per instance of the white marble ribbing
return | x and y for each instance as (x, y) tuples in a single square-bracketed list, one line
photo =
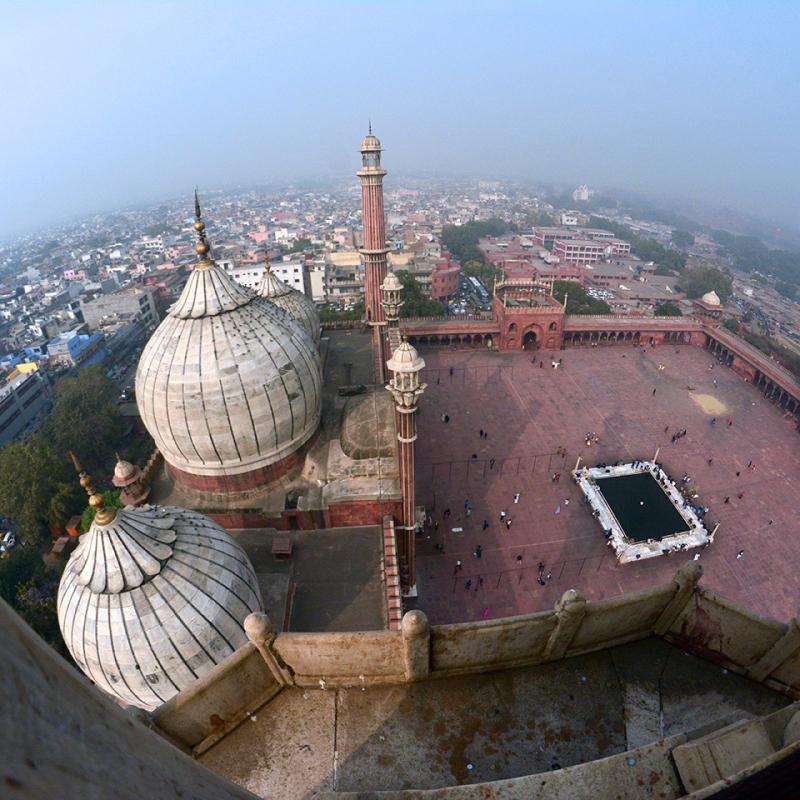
[(208, 292), (144, 643), (229, 392)]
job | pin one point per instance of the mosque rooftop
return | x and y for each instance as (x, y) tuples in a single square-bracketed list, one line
[(474, 729)]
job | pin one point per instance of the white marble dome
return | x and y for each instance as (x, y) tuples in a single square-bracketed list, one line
[(229, 385), (711, 299), (152, 599), (293, 302)]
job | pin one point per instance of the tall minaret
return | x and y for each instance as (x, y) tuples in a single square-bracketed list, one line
[(374, 250), (405, 366)]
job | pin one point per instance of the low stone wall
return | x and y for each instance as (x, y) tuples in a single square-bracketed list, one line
[(686, 615), (471, 647), (211, 707), (341, 659)]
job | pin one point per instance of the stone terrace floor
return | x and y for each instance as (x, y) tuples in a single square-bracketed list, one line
[(505, 724), (529, 412)]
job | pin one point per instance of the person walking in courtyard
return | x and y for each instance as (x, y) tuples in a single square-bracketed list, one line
[(503, 515), (740, 554), (474, 456), (458, 567), (541, 568), (446, 418), (485, 524), (486, 434), (478, 552), (446, 514), (466, 504), (485, 613), (480, 433), (549, 575), (469, 511), (491, 463), (519, 558), (451, 371), (541, 582), (469, 585), (558, 510), (654, 392), (516, 498), (508, 524)]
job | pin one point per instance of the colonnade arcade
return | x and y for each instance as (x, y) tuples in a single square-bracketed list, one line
[(626, 337), (771, 389), (450, 340)]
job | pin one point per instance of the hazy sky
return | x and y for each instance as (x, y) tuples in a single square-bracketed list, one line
[(110, 103)]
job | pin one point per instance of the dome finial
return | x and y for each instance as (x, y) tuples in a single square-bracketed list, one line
[(370, 127), (266, 258), (96, 500), (203, 247)]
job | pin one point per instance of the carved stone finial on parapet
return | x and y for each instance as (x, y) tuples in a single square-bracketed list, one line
[(685, 580), (570, 611), (416, 645), (261, 633)]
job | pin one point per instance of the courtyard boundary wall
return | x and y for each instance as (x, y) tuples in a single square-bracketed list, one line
[(685, 614)]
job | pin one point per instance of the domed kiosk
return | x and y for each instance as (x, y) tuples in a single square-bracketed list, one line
[(294, 303), (153, 598), (709, 306), (229, 385)]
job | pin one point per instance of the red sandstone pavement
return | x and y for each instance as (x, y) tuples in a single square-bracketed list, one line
[(530, 412)]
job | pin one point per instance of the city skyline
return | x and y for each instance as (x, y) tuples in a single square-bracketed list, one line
[(116, 105)]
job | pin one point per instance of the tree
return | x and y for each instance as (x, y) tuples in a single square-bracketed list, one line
[(786, 289), (732, 324), (682, 238), (668, 310), (37, 486), (415, 302), (300, 244), (700, 280), (462, 240), (85, 418), (578, 299)]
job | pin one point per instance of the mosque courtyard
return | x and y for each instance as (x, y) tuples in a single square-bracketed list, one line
[(530, 412)]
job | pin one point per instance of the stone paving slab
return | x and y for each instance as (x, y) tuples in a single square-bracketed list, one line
[(505, 724), (529, 412)]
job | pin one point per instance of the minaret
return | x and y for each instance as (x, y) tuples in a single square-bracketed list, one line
[(391, 302), (405, 387), (374, 251)]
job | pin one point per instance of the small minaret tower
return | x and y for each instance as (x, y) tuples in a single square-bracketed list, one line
[(391, 302), (405, 365), (374, 251)]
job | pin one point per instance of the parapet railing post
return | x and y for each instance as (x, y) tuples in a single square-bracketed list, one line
[(416, 646), (778, 654), (570, 611), (261, 633), (687, 578)]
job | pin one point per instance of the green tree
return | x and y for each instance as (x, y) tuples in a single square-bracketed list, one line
[(37, 486), (85, 418), (331, 315), (700, 280), (35, 602), (668, 310), (786, 289), (21, 565), (462, 240), (682, 238), (300, 244), (415, 302), (732, 324), (578, 299)]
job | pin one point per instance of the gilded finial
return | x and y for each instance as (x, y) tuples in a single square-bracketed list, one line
[(370, 127), (96, 499), (202, 247), (266, 259)]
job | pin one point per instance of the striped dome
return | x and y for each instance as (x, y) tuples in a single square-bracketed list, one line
[(228, 384), (293, 302), (152, 600)]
